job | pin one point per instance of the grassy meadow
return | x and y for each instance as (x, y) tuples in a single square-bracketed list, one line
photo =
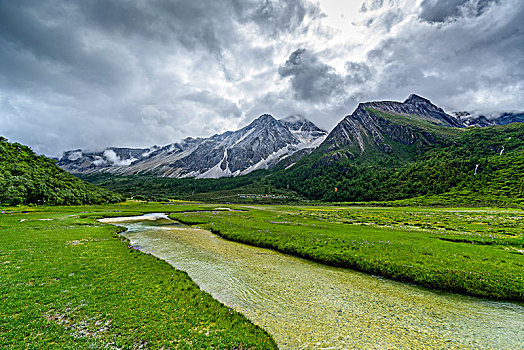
[(472, 251), (69, 282)]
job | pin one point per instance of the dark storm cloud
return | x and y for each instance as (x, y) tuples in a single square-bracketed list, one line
[(442, 10), (314, 81), (311, 79), (188, 23), (130, 72), (475, 59), (36, 53), (196, 23)]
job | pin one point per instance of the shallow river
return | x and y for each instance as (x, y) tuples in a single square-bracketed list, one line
[(306, 305)]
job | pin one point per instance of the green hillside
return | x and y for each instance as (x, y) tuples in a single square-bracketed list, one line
[(26, 178), (414, 158), (445, 166)]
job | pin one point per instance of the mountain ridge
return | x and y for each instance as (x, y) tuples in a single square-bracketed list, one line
[(481, 120), (259, 145), (381, 124), (394, 150), (384, 150)]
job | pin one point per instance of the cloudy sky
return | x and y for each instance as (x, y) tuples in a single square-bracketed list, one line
[(133, 73)]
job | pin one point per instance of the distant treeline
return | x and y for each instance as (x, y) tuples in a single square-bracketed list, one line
[(144, 187)]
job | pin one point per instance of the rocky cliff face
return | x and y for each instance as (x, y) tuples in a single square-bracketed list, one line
[(373, 125), (259, 145)]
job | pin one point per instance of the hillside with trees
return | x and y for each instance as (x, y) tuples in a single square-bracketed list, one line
[(482, 163), (26, 178)]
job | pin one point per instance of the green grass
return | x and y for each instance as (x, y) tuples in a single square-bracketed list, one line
[(419, 122), (472, 251), (69, 282)]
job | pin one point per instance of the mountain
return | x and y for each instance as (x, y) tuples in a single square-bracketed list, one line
[(471, 119), (78, 161), (26, 178), (393, 150), (384, 150), (260, 145), (386, 125)]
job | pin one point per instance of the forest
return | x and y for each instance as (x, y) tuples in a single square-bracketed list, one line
[(26, 178)]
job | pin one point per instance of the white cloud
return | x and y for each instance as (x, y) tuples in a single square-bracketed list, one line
[(75, 155), (113, 158)]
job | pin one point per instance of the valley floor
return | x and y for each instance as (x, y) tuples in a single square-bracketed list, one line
[(70, 282), (472, 251)]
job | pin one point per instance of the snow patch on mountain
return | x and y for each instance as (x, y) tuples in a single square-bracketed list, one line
[(272, 159), (259, 145), (217, 171), (249, 132)]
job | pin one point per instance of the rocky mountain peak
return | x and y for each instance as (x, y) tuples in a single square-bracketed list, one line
[(400, 122), (415, 105), (265, 121), (413, 98), (259, 145), (264, 118), (298, 123)]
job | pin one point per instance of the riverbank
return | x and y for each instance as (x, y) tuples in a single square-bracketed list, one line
[(70, 282), (478, 252), (307, 305)]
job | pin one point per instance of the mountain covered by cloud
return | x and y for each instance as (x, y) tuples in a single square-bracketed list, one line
[(259, 145), (93, 74)]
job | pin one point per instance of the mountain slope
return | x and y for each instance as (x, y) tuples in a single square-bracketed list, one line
[(26, 178), (260, 145), (392, 150), (383, 125)]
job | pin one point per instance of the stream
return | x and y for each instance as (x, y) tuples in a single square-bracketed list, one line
[(306, 305)]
